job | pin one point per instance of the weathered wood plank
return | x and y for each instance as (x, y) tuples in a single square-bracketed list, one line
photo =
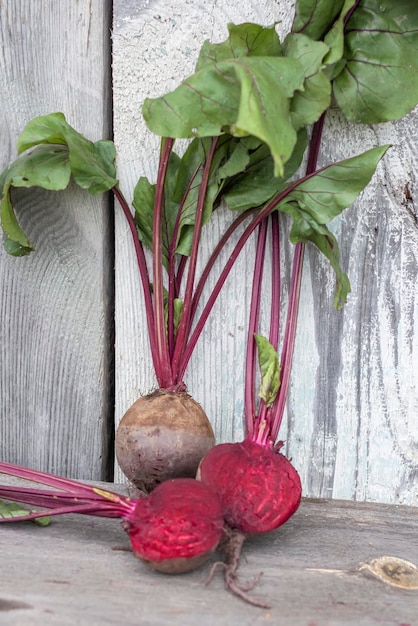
[(54, 349), (313, 573), (350, 423)]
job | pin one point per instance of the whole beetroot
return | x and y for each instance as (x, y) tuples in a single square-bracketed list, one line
[(258, 487), (259, 490), (162, 435)]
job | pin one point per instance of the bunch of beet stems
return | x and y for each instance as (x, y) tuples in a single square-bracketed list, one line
[(185, 432), (171, 351), (167, 346)]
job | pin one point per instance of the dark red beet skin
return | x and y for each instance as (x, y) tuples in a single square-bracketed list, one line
[(181, 519), (258, 487)]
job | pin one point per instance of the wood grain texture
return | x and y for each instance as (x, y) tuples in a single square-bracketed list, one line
[(351, 425), (314, 572), (54, 307)]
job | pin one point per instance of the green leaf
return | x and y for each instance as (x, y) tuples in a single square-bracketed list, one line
[(45, 166), (181, 190), (335, 37), (50, 152), (314, 17), (335, 187), (14, 248), (92, 165), (305, 228), (14, 238), (256, 185), (143, 203), (179, 174), (171, 207), (244, 40), (89, 169), (193, 161), (42, 129), (268, 361), (236, 163), (178, 310), (314, 98), (246, 96), (308, 105), (317, 200), (379, 81), (12, 509), (328, 245), (106, 151)]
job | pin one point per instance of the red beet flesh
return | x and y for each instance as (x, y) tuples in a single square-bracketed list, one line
[(258, 487), (177, 526)]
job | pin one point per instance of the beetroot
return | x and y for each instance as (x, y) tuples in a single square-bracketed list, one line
[(173, 530), (166, 433), (163, 435), (266, 489)]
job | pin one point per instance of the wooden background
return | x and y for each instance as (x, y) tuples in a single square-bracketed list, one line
[(55, 307), (351, 424)]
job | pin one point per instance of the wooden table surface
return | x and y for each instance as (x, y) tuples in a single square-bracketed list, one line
[(317, 571)]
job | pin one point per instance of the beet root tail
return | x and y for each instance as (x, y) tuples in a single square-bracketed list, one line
[(231, 546)]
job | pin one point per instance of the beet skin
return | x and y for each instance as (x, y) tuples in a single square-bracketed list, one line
[(258, 487), (162, 436)]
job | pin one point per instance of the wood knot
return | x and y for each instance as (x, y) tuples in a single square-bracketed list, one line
[(393, 571)]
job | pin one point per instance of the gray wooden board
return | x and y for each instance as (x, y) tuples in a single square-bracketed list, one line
[(68, 574), (54, 325)]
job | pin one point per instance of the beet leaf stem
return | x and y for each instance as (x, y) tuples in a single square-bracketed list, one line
[(275, 281), (173, 282), (294, 295), (289, 340), (143, 272), (164, 370), (250, 360), (185, 321)]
